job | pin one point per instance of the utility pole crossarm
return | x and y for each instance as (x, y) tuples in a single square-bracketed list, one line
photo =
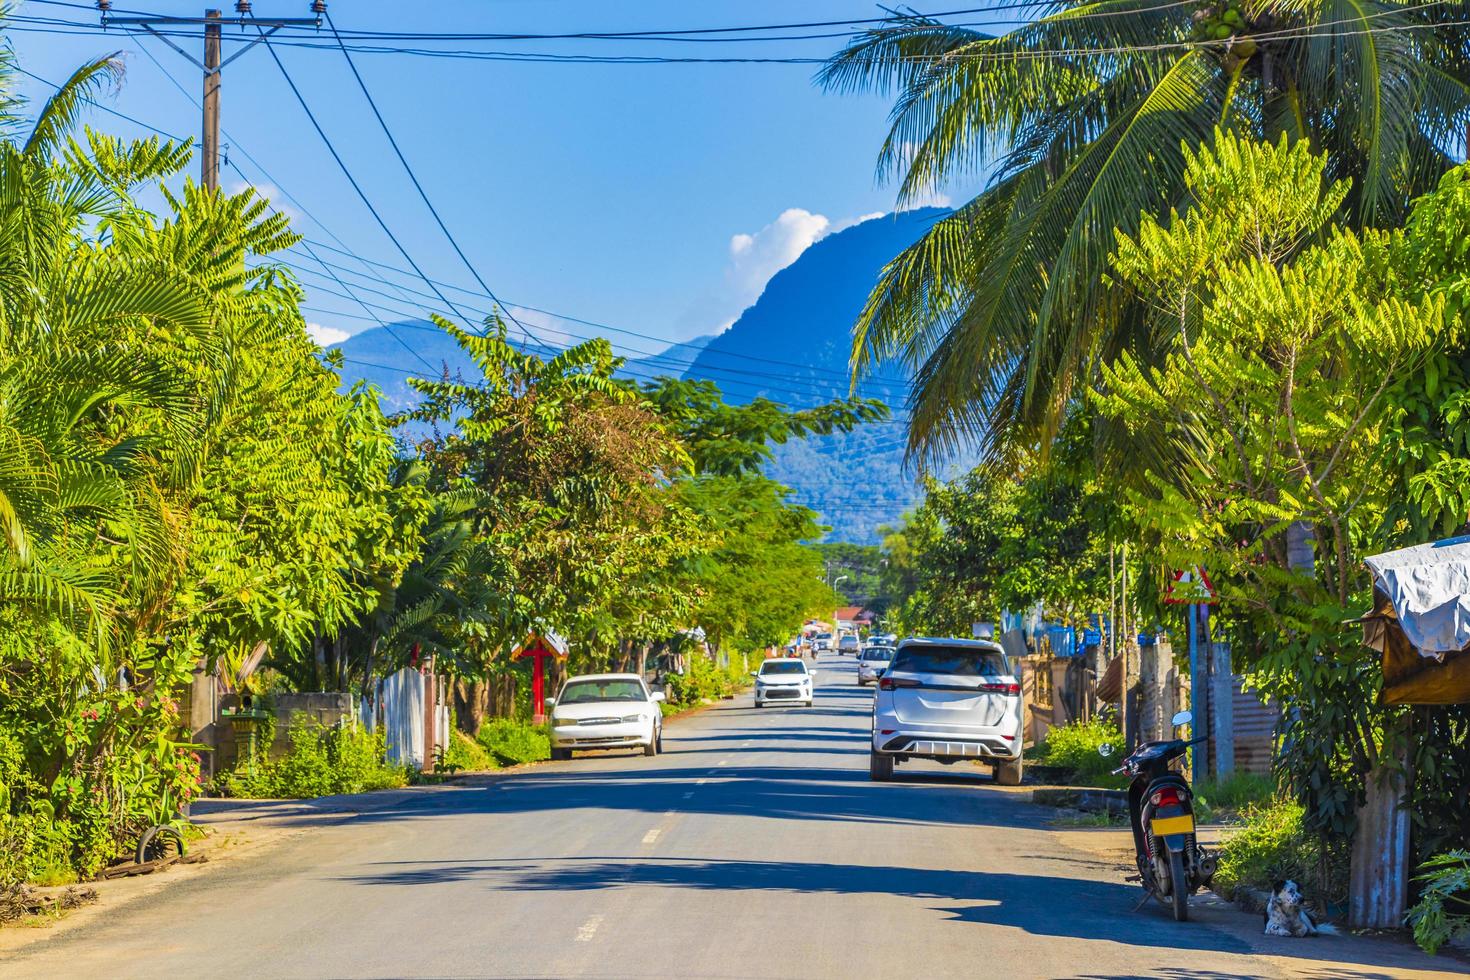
[(213, 22)]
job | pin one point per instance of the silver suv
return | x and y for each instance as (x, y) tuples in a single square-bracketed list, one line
[(948, 700)]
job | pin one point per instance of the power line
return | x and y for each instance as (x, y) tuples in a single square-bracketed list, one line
[(1007, 55), (351, 179), (296, 202), (121, 115), (170, 76), (418, 186), (622, 330), (843, 378)]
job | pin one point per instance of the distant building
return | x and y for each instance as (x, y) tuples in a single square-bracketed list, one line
[(852, 618)]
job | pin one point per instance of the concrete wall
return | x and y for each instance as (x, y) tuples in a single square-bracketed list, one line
[(325, 709)]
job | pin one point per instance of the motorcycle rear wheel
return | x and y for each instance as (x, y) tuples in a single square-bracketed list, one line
[(1179, 886)]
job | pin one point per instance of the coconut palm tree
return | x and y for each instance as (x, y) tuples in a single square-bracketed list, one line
[(1078, 118), (94, 426)]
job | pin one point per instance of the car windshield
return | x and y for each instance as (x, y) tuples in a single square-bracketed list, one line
[(878, 653), (957, 661), (783, 667), (590, 692), (824, 636)]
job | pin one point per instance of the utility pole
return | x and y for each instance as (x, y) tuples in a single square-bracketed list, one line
[(213, 64), (209, 159)]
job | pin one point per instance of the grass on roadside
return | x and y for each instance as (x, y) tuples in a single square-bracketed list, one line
[(1227, 800)]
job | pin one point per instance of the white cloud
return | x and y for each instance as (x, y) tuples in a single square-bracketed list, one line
[(753, 258), (326, 336), (849, 222)]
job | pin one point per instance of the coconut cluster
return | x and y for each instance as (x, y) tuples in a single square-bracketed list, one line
[(1225, 22)]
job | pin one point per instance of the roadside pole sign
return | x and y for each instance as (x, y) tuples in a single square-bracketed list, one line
[(1191, 587)]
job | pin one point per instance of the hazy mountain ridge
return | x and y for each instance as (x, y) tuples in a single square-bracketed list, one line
[(792, 345)]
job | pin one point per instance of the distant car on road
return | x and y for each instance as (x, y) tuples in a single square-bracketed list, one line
[(606, 711), (948, 700), (822, 641), (783, 680), (873, 661), (849, 643)]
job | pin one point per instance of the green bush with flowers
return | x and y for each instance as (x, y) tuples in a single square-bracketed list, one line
[(85, 767)]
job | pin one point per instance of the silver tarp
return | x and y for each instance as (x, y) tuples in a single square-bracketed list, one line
[(1429, 586)]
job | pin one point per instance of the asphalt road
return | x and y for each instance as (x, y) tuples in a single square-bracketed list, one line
[(755, 846)]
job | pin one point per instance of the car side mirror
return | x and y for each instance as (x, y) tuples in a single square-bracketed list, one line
[(755, 673), (1105, 750), (1183, 718), (656, 696), (551, 702)]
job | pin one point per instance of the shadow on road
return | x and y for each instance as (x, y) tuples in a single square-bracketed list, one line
[(1029, 903)]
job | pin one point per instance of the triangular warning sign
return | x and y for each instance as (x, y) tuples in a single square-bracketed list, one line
[(1191, 587)]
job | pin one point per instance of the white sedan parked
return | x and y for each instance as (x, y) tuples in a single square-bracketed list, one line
[(783, 680), (605, 711)]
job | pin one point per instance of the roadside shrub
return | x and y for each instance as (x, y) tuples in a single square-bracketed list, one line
[(1273, 844), (83, 772), (1443, 909), (464, 754), (322, 762), (705, 680), (1074, 747), (512, 742)]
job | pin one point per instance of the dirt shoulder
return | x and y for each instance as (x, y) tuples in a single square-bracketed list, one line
[(1343, 955)]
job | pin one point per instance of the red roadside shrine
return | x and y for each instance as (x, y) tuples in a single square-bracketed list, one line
[(540, 645)]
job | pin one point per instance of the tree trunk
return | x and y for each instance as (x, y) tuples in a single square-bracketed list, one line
[(319, 661), (471, 704), (367, 666)]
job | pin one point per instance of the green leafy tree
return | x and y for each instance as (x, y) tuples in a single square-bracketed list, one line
[(1266, 425), (1079, 116)]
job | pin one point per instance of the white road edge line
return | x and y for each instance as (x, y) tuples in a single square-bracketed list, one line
[(652, 835), (589, 929), (689, 794)]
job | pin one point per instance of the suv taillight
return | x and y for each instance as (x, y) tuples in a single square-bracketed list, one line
[(1012, 689), (889, 683)]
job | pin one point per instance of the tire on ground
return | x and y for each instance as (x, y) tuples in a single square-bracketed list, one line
[(880, 767), (1009, 773)]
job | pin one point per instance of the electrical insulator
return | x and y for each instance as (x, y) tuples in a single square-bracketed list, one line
[(104, 5), (318, 7), (242, 7)]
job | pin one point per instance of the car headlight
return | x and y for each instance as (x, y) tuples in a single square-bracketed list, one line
[(629, 718)]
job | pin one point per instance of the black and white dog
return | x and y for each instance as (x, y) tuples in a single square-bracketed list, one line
[(1287, 916)]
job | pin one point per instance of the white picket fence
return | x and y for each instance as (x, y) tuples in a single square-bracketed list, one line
[(397, 709)]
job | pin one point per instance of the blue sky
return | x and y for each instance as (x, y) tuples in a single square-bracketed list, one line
[(653, 197)]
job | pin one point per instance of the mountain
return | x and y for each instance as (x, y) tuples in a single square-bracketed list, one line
[(381, 356), (793, 346)]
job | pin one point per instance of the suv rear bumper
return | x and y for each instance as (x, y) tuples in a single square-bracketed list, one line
[(921, 745)]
